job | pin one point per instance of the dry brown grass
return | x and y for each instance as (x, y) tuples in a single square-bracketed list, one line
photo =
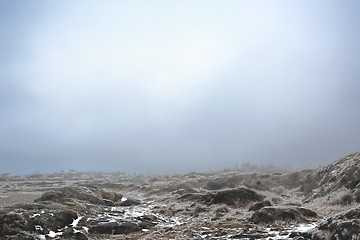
[(8, 199)]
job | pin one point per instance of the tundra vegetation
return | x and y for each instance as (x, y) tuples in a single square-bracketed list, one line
[(246, 202)]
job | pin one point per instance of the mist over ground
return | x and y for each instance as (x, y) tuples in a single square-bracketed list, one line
[(177, 86)]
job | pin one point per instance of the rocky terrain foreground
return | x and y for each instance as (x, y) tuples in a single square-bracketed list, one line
[(241, 203)]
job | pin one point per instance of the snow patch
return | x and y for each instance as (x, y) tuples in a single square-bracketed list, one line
[(305, 227), (39, 228), (285, 233), (53, 234), (34, 215), (76, 221), (41, 237)]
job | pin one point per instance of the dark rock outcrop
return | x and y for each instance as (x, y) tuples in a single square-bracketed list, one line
[(54, 219), (345, 226), (342, 174), (260, 205), (70, 234), (285, 214), (92, 195), (130, 202), (239, 197), (13, 224), (114, 228), (193, 196)]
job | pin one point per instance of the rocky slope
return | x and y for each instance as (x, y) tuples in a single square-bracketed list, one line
[(342, 175)]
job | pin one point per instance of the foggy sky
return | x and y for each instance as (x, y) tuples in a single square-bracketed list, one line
[(177, 86)]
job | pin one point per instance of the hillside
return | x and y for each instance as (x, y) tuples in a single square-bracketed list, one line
[(245, 203), (342, 175)]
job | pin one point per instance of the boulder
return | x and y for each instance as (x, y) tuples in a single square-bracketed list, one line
[(239, 197), (285, 214), (11, 224), (74, 235), (260, 205), (345, 226), (89, 194), (146, 224), (54, 219), (193, 196), (64, 218), (129, 202), (114, 228)]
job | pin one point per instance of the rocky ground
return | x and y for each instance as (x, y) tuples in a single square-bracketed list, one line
[(239, 203)]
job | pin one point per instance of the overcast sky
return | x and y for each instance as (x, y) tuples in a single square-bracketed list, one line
[(177, 86)]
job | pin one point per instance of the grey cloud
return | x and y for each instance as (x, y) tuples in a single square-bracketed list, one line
[(287, 94)]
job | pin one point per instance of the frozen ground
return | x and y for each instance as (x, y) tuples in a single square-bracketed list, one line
[(229, 204)]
